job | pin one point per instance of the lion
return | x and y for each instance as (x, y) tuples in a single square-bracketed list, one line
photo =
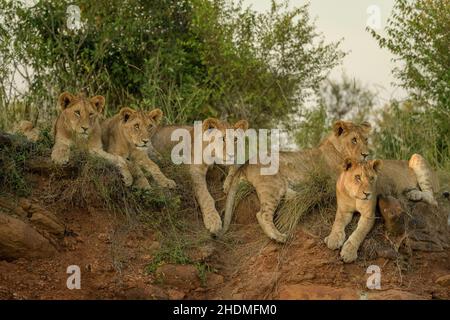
[(347, 139), (127, 135), (27, 129), (358, 188), (162, 143), (79, 123)]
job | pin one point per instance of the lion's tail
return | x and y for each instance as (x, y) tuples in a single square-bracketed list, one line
[(426, 179), (229, 205)]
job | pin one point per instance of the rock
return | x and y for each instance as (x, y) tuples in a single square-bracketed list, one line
[(202, 253), (182, 276), (444, 281), (316, 292), (145, 293), (46, 220), (307, 277), (393, 214), (19, 240), (214, 279), (393, 294), (310, 243), (175, 294), (154, 246), (103, 237)]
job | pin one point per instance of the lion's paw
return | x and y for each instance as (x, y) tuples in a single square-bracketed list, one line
[(60, 159), (127, 178), (349, 252), (280, 237), (414, 195), (213, 223), (335, 240), (168, 183)]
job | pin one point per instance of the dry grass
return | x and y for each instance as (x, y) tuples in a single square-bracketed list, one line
[(316, 193)]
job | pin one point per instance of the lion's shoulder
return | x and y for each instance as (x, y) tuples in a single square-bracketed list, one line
[(162, 138)]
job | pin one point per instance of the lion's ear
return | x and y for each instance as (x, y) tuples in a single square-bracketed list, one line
[(241, 124), (366, 126), (211, 123), (99, 103), (125, 113), (348, 164), (339, 127), (156, 115), (377, 165), (65, 99)]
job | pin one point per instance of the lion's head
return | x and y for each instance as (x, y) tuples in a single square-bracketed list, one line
[(220, 129), (80, 114), (358, 179), (139, 126), (351, 140)]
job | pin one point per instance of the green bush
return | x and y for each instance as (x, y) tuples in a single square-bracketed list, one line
[(192, 58)]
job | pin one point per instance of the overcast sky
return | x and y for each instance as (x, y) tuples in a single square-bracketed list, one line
[(347, 19)]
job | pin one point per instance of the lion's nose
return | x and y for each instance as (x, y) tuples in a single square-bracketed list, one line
[(145, 141), (364, 155), (85, 128), (367, 194)]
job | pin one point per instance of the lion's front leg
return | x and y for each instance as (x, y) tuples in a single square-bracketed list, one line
[(336, 238), (142, 159), (60, 152), (211, 217), (229, 178), (366, 221), (140, 180), (118, 161)]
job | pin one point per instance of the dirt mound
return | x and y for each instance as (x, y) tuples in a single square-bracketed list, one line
[(160, 249)]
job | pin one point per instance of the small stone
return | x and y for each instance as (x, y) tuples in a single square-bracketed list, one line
[(444, 281), (131, 244), (104, 237), (175, 294), (155, 245), (310, 243), (214, 279), (185, 276)]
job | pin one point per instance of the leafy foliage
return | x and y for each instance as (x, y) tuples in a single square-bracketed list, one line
[(418, 34), (192, 58)]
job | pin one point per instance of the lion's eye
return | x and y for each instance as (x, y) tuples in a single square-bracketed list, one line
[(358, 177), (354, 140), (77, 113), (91, 114)]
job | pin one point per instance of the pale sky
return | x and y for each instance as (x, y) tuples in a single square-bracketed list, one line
[(347, 19)]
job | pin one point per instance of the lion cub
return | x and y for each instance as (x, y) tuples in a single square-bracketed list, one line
[(79, 123), (127, 135), (358, 187)]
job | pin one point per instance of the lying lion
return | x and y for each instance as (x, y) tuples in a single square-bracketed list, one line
[(127, 135), (162, 143), (358, 188), (346, 140), (79, 123), (27, 129)]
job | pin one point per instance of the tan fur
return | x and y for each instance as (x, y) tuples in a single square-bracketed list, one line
[(27, 129), (79, 123), (127, 135), (358, 188), (347, 139), (162, 144)]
